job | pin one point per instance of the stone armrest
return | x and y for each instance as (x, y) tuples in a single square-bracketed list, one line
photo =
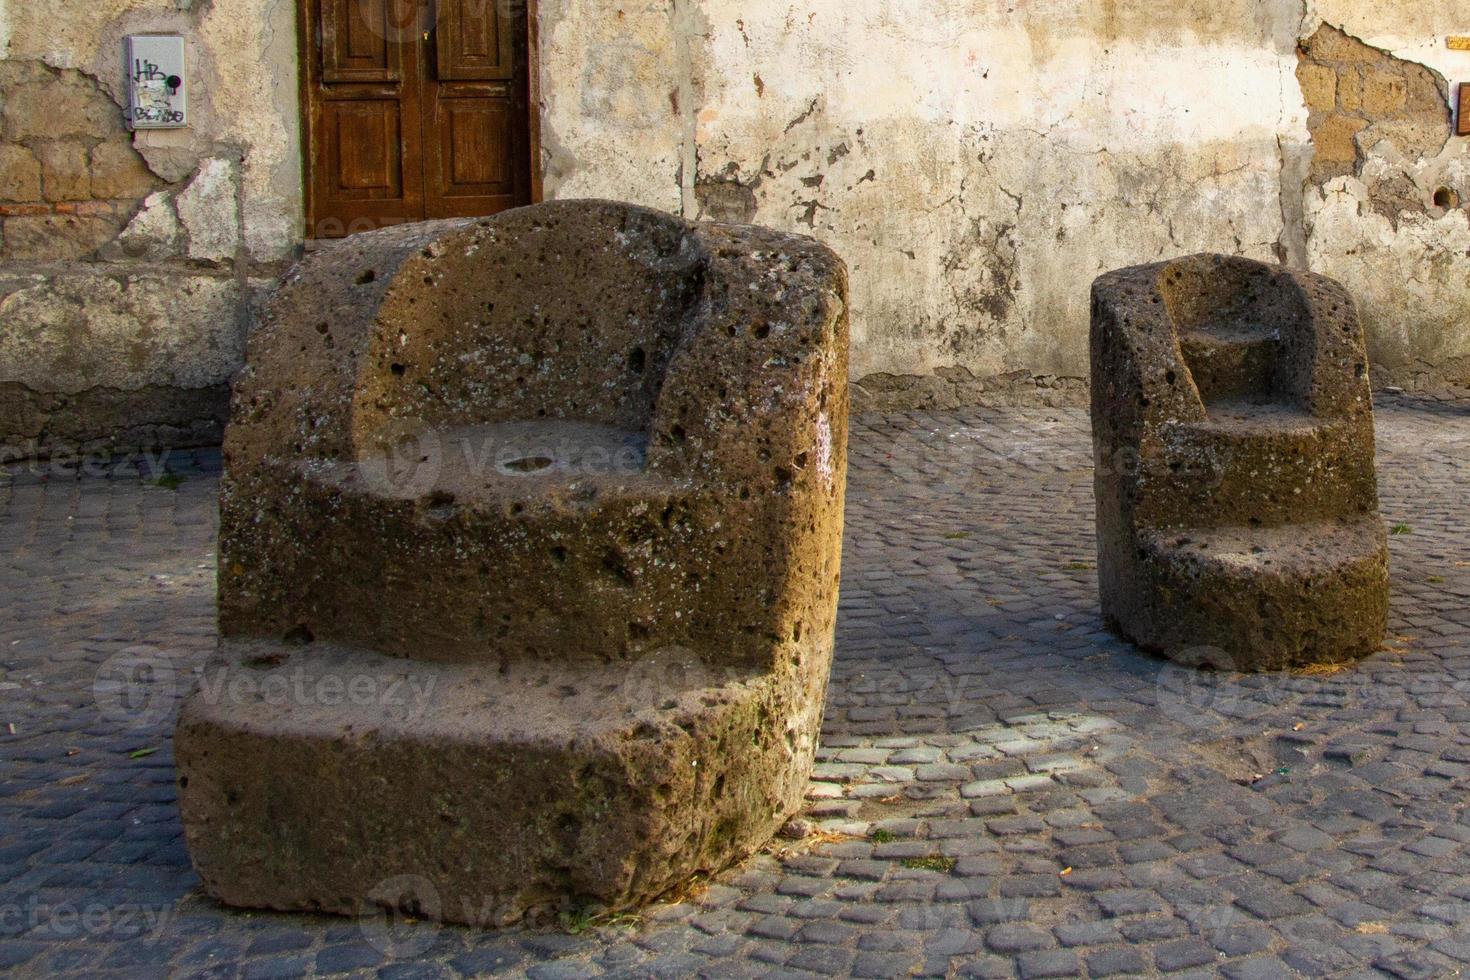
[(1141, 376), (1332, 379), (745, 400)]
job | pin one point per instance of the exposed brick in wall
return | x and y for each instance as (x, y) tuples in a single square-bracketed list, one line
[(69, 176), (1384, 205), (1360, 95), (124, 289)]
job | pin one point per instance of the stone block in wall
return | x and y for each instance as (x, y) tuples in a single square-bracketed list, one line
[(1319, 85), (42, 424), (20, 174), (56, 237), (66, 172), (118, 171), (1331, 44), (1335, 139), (1384, 93), (101, 326), (43, 104), (93, 357)]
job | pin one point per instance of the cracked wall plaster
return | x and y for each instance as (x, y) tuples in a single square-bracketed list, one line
[(243, 95), (123, 318), (1384, 203), (977, 164)]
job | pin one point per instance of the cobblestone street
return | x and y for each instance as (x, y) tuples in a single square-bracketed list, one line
[(1004, 788)]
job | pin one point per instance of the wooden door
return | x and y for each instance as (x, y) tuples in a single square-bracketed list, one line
[(414, 110)]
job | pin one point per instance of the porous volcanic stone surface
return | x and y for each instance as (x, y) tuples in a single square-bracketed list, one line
[(569, 480), (1237, 510)]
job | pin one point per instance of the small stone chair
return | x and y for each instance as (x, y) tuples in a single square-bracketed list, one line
[(529, 548), (1237, 508)]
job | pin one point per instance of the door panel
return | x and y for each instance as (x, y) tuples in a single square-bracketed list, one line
[(475, 41), (368, 144), (471, 168), (355, 40), (472, 130)]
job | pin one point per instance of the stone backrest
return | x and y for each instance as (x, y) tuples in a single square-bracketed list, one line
[(639, 418), (1254, 332), (543, 313), (1220, 332)]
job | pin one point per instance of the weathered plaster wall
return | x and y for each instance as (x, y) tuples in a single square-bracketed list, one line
[(1387, 212), (978, 163), (128, 262)]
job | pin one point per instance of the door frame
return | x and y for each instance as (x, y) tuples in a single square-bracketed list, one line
[(303, 106)]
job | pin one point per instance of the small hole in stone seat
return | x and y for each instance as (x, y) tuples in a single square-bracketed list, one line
[(397, 369), (366, 277), (529, 464), (1446, 198)]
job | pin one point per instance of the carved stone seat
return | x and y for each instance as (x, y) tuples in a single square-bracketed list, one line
[(569, 481), (1237, 507)]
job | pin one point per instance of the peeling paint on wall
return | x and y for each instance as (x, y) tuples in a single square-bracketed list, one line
[(977, 164), (1383, 204), (1360, 98), (131, 258)]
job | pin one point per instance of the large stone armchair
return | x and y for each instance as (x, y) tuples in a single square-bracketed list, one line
[(577, 468), (1237, 506)]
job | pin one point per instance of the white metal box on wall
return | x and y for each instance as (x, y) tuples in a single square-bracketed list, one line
[(158, 91)]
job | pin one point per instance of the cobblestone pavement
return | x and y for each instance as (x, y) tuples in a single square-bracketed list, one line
[(1006, 789)]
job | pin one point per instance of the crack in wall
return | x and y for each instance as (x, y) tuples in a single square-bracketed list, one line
[(686, 22)]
